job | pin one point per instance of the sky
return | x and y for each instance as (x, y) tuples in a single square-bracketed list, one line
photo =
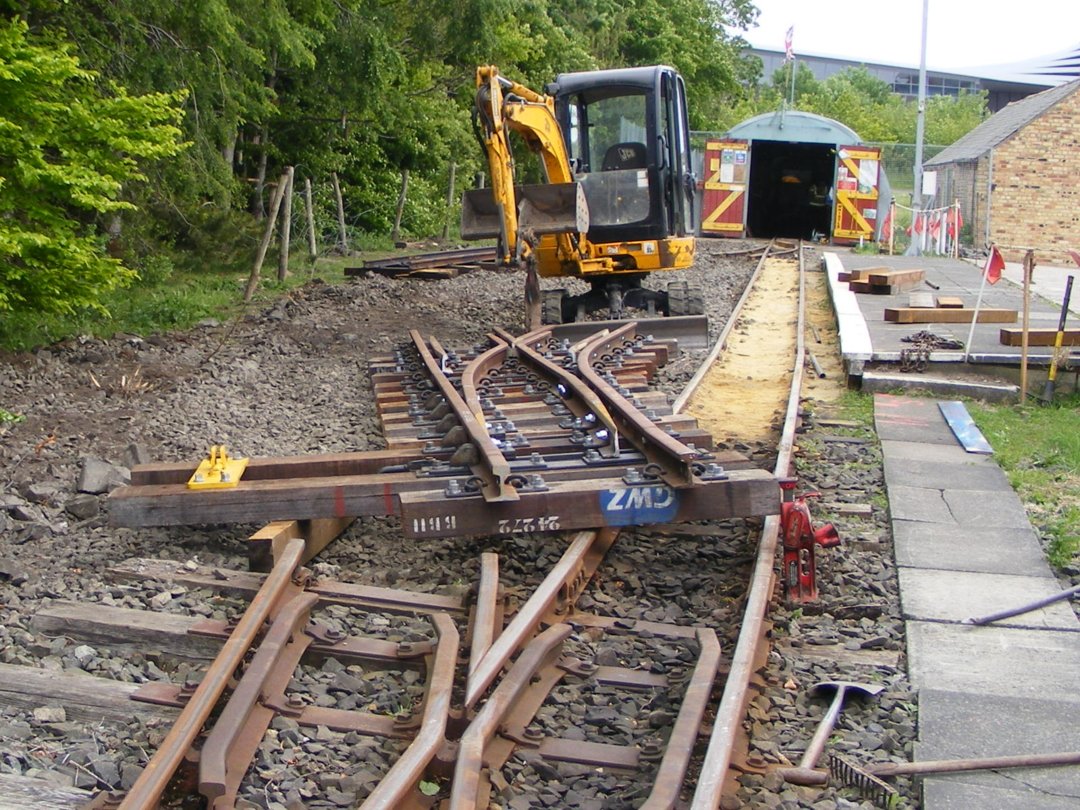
[(960, 33)]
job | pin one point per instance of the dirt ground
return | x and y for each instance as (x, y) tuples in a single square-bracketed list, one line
[(744, 394)]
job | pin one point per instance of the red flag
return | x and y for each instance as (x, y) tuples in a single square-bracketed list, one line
[(918, 223), (955, 222), (789, 54), (886, 227), (935, 225), (995, 263)]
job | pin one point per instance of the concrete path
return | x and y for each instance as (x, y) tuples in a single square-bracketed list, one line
[(965, 548), (1048, 283)]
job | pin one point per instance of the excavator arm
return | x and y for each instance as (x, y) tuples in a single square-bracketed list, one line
[(511, 212)]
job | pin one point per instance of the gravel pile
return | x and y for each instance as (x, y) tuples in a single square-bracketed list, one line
[(292, 379)]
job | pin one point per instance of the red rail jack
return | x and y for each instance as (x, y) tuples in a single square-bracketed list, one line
[(800, 541)]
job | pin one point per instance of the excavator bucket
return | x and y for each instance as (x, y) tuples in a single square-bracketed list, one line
[(481, 216), (545, 208), (553, 208)]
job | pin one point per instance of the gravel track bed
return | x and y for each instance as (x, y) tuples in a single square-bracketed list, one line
[(292, 379)]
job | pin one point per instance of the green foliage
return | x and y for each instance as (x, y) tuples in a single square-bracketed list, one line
[(68, 146), (9, 418), (1039, 448), (361, 88), (858, 99)]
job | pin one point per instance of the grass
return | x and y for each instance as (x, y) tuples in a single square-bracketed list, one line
[(855, 406), (1038, 446)]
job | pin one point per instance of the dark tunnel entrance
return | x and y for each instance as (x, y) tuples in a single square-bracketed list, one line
[(791, 189)]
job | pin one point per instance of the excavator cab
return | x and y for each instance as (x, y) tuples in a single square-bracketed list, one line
[(618, 201), (627, 136)]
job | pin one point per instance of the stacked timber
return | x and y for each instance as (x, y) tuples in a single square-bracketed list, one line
[(882, 281)]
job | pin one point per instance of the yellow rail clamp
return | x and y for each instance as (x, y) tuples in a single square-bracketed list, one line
[(217, 470)]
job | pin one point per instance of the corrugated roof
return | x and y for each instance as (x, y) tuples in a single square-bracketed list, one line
[(1002, 125)]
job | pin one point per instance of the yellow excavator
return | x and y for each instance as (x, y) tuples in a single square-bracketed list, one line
[(618, 201)]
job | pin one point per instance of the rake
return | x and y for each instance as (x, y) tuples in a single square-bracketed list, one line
[(868, 778)]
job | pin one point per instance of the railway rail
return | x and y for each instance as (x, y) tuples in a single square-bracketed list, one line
[(524, 434)]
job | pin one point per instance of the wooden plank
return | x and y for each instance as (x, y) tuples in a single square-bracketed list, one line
[(125, 629), (262, 469), (866, 288), (85, 698), (591, 505), (267, 542), (913, 315), (836, 655), (863, 274), (22, 792), (245, 584), (1014, 336), (950, 302), (895, 277)]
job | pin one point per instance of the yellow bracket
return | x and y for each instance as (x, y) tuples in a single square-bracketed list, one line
[(217, 470)]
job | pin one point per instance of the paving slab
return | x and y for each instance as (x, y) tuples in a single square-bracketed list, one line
[(919, 504), (955, 725), (952, 793), (974, 508), (903, 429), (904, 408), (961, 474), (918, 544), (920, 451), (954, 596), (1008, 662)]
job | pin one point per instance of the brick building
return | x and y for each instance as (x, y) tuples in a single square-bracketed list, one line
[(1016, 174)]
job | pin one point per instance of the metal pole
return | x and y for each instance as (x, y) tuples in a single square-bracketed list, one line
[(1029, 271), (920, 126), (792, 101)]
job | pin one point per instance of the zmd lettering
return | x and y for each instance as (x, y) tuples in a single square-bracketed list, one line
[(639, 505)]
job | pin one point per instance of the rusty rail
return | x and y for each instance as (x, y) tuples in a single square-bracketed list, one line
[(492, 465), (732, 706), (231, 744), (674, 458), (680, 747), (155, 777), (569, 575), (486, 618), (403, 775), (537, 653)]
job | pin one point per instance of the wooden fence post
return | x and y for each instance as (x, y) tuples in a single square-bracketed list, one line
[(268, 232), (343, 242), (286, 228), (313, 248), (400, 206)]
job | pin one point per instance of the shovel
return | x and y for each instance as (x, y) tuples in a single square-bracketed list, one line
[(805, 773)]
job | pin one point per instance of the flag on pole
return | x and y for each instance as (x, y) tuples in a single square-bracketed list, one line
[(886, 226), (789, 54), (995, 263), (956, 221)]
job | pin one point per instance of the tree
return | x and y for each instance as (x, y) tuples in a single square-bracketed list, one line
[(68, 146)]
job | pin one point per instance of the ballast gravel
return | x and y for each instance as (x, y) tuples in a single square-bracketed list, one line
[(291, 378)]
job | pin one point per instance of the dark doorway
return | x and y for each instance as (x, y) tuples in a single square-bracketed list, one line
[(791, 189)]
